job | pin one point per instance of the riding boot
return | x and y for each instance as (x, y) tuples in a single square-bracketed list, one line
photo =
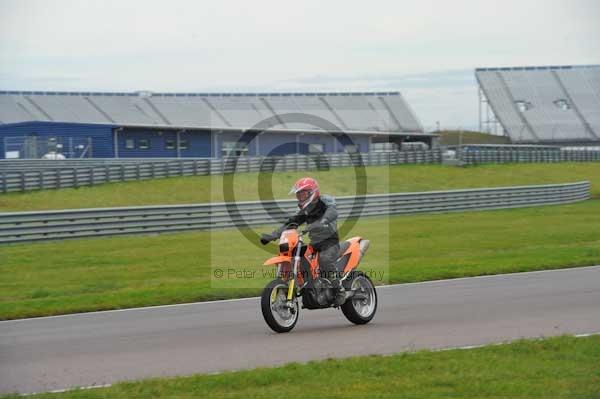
[(338, 288), (327, 258)]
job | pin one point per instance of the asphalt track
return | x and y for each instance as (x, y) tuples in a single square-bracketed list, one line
[(105, 347)]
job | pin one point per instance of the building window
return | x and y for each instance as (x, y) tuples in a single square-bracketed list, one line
[(130, 144), (183, 144), (351, 148), (144, 144), (523, 106), (562, 104), (169, 144), (315, 148), (234, 148)]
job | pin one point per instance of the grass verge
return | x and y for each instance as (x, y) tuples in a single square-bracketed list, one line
[(337, 181), (563, 367), (81, 275), (455, 137)]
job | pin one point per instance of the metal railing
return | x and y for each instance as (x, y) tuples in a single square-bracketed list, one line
[(528, 156), (24, 175), (50, 225)]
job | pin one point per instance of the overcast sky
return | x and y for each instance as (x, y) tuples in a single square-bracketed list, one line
[(426, 49)]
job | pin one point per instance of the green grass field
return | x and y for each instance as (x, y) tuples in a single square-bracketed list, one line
[(118, 272), (453, 137), (337, 181), (563, 367)]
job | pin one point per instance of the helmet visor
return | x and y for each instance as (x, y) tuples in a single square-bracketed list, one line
[(302, 195)]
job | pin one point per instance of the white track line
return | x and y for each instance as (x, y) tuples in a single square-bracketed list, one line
[(586, 335), (510, 342), (128, 309), (489, 276), (67, 390), (256, 297)]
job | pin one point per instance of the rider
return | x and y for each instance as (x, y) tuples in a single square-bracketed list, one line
[(320, 214)]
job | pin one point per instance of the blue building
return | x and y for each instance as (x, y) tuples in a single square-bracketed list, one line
[(144, 124)]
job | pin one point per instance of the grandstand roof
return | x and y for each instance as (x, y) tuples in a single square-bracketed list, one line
[(349, 111), (537, 68), (538, 104)]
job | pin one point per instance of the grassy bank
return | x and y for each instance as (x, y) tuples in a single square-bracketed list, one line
[(563, 367), (118, 272), (337, 181), (455, 137)]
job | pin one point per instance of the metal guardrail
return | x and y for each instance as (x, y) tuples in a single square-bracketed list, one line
[(529, 156), (51, 225), (24, 175)]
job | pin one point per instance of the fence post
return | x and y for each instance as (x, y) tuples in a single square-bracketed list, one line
[(41, 179), (137, 171), (75, 178), (195, 167), (4, 183), (107, 173), (152, 170), (122, 172), (180, 168), (91, 176), (22, 181), (58, 182)]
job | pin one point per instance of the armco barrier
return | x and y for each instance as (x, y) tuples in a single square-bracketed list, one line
[(49, 225), (24, 175), (527, 156)]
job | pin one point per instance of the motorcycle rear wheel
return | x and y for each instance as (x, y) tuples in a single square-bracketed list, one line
[(280, 314), (361, 310)]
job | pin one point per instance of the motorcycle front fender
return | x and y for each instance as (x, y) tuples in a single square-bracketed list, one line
[(278, 259)]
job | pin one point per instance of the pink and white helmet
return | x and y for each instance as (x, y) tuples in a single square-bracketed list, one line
[(307, 192)]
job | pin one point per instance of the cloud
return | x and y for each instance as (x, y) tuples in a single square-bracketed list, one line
[(426, 49)]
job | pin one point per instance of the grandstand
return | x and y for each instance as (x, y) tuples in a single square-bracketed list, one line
[(380, 111), (146, 124), (549, 104)]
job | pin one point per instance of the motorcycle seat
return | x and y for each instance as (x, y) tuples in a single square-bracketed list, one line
[(343, 248), (342, 260)]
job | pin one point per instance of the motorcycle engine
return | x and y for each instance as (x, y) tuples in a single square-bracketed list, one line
[(323, 292)]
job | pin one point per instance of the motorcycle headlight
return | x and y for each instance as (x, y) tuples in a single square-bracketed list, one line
[(284, 248)]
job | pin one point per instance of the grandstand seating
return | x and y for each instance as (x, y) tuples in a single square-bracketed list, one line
[(11, 110), (405, 118), (584, 88), (378, 112), (123, 109), (545, 104)]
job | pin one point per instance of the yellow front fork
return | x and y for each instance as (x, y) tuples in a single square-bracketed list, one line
[(291, 289)]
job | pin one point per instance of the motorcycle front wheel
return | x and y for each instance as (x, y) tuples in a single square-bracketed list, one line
[(279, 313)]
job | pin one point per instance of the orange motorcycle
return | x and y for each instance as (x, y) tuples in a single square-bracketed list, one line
[(298, 279)]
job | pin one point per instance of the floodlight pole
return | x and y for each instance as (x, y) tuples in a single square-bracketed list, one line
[(460, 140), (479, 110), (116, 140), (178, 142), (256, 143)]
